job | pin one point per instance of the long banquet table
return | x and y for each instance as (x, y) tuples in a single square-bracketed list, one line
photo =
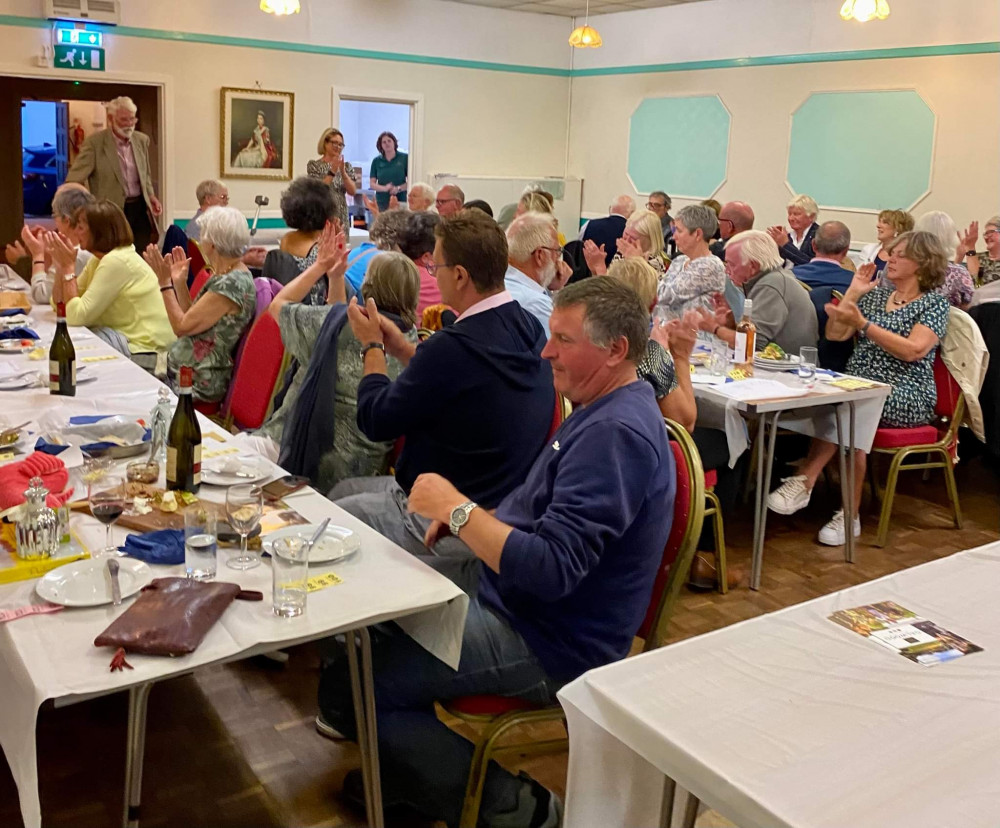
[(52, 657), (789, 720)]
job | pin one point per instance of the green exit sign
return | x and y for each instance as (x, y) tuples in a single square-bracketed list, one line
[(81, 37), (78, 57)]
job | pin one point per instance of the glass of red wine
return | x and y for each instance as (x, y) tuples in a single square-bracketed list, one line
[(107, 502)]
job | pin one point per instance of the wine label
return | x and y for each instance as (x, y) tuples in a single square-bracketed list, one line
[(740, 348), (54, 374), (197, 464), (171, 464)]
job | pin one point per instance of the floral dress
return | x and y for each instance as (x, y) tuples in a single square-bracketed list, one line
[(913, 396), (690, 284), (957, 286), (657, 368), (658, 261), (210, 352), (321, 169), (989, 269), (317, 293)]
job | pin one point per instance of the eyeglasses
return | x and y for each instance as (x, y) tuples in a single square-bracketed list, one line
[(991, 233), (335, 142), (434, 268), (439, 201), (550, 249), (730, 222), (224, 199), (655, 205)]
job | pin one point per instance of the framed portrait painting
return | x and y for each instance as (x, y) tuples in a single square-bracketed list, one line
[(256, 134)]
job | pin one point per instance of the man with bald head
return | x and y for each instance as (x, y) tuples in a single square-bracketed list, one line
[(608, 230), (734, 217), (831, 244), (450, 199)]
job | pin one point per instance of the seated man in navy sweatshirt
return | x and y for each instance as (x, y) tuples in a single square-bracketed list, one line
[(475, 401), (562, 574), (831, 244)]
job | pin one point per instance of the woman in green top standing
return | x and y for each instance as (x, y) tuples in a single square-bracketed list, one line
[(390, 171)]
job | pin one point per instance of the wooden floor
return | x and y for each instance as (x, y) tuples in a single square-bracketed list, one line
[(234, 746)]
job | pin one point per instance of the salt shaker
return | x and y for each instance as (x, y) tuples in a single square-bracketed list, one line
[(38, 529), (159, 425)]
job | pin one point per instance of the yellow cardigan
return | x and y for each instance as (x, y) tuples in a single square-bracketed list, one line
[(121, 291)]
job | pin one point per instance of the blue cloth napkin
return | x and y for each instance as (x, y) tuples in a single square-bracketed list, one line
[(18, 333), (165, 546), (12, 312), (84, 419)]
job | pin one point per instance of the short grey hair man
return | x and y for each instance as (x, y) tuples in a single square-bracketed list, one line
[(122, 102), (211, 190), (832, 240), (420, 196), (225, 228), (67, 201), (450, 199), (698, 217), (623, 205), (387, 228), (611, 310), (529, 232), (755, 246)]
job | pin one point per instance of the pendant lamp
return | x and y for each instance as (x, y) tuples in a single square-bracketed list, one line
[(585, 36), (280, 7), (864, 10)]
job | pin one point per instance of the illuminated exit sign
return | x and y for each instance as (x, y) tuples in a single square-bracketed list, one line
[(78, 57), (79, 37)]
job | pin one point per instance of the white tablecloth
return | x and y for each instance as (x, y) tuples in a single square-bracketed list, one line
[(791, 721), (53, 657)]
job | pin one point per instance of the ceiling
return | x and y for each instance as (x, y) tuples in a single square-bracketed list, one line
[(573, 8)]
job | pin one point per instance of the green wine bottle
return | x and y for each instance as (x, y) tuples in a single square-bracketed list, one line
[(184, 440), (62, 358)]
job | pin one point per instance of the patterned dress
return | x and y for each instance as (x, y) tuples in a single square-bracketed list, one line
[(911, 401), (210, 352), (657, 368), (353, 455), (321, 169), (957, 286), (658, 261), (690, 284), (989, 269)]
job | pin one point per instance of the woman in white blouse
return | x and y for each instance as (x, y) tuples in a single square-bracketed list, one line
[(695, 275)]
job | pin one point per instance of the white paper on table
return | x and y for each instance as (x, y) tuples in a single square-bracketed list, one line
[(761, 389), (707, 379)]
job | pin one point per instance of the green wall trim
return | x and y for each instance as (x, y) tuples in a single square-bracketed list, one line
[(287, 46), (988, 47), (262, 224)]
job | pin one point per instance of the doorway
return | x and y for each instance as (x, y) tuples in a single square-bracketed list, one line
[(60, 114)]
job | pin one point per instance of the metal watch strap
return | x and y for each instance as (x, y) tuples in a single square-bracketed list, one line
[(379, 346), (865, 327), (466, 507)]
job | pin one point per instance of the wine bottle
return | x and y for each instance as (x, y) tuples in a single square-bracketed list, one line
[(62, 358), (746, 340), (184, 440)]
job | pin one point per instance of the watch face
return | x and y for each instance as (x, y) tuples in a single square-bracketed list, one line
[(459, 516)]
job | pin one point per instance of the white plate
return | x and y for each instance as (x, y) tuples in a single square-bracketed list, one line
[(88, 584), (13, 346), (214, 476), (789, 361), (336, 544), (16, 383)]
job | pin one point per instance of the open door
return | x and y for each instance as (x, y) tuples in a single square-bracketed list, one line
[(62, 140)]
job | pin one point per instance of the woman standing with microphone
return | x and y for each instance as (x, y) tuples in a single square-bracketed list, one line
[(334, 171)]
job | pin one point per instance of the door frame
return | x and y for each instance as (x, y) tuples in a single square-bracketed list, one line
[(415, 100), (165, 107)]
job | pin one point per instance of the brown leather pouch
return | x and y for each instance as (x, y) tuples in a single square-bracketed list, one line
[(170, 617)]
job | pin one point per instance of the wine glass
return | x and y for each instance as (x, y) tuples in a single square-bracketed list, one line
[(244, 506), (107, 502)]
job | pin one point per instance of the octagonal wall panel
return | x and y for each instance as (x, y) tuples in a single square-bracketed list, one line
[(862, 150), (680, 145)]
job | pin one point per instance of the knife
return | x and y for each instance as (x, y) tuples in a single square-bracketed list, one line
[(116, 590), (316, 536)]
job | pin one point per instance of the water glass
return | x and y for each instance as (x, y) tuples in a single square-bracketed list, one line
[(807, 365), (719, 358), (290, 571), (200, 543)]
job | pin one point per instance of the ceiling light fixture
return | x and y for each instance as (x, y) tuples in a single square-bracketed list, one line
[(864, 10), (586, 36), (280, 7)]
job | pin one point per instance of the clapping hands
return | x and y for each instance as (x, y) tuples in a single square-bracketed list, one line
[(596, 258), (170, 268)]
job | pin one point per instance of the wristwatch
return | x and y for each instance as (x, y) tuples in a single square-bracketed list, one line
[(864, 328), (970, 253), (372, 346), (460, 516)]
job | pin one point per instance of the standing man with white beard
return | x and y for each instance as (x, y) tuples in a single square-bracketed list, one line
[(535, 266), (114, 165)]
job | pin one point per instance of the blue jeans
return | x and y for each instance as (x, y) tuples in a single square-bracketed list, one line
[(423, 762)]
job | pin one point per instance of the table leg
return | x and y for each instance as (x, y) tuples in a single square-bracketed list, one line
[(667, 805), (851, 483), (135, 748), (765, 464), (363, 695), (690, 811), (845, 483)]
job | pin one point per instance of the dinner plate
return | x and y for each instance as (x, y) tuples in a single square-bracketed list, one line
[(87, 583), (251, 472), (14, 346), (337, 543), (16, 383), (790, 361)]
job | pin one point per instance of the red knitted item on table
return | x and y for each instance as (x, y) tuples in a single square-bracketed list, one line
[(14, 479)]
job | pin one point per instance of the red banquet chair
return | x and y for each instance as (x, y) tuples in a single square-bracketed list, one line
[(501, 714), (204, 274), (938, 443), (261, 368)]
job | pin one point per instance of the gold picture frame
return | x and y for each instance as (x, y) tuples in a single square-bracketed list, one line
[(257, 134)]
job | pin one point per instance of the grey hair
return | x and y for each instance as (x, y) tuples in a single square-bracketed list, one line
[(226, 229), (611, 310), (393, 281), (832, 237), (388, 227), (68, 201), (756, 246), (527, 233), (422, 189), (454, 191), (806, 203), (992, 222), (623, 205), (698, 217), (941, 225), (666, 199), (121, 102), (208, 187)]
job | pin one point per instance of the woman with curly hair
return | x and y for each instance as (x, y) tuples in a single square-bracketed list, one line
[(306, 207)]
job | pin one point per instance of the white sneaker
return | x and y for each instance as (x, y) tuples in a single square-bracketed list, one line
[(833, 533), (790, 496)]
